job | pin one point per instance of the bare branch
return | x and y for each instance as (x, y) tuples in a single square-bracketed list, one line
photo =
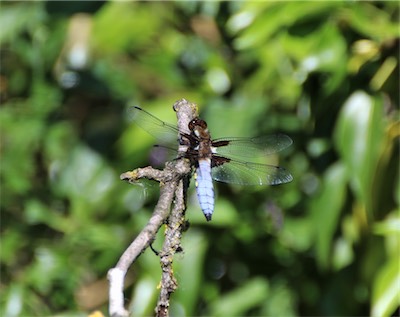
[(173, 185), (146, 236), (173, 235)]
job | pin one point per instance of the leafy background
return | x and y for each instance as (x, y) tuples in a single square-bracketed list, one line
[(325, 73)]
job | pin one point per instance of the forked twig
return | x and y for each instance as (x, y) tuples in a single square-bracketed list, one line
[(173, 185)]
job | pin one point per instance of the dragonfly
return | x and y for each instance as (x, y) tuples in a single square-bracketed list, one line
[(229, 160)]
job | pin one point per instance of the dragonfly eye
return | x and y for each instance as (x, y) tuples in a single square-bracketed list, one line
[(191, 125)]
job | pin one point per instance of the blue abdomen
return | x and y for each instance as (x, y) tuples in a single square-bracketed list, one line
[(204, 187)]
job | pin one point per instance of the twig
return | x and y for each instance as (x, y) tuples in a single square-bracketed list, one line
[(173, 185)]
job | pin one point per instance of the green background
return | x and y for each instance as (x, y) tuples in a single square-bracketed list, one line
[(324, 73)]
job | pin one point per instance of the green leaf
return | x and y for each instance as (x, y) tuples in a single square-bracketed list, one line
[(249, 295), (390, 226), (190, 264), (386, 290), (271, 18), (17, 17), (358, 138), (119, 26), (12, 300), (326, 209), (359, 16), (144, 296), (86, 178)]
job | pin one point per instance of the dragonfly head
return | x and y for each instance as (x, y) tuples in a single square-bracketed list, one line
[(198, 127)]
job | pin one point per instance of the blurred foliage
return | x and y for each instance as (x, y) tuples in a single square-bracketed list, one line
[(325, 73)]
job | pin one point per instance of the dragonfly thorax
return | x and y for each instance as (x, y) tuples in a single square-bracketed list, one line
[(202, 143)]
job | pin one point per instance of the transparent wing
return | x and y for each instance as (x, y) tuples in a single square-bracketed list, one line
[(244, 148), (246, 173), (162, 131)]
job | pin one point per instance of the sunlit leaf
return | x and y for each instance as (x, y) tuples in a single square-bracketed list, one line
[(144, 296), (386, 290), (358, 138)]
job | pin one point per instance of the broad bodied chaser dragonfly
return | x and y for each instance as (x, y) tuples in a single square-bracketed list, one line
[(225, 159)]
